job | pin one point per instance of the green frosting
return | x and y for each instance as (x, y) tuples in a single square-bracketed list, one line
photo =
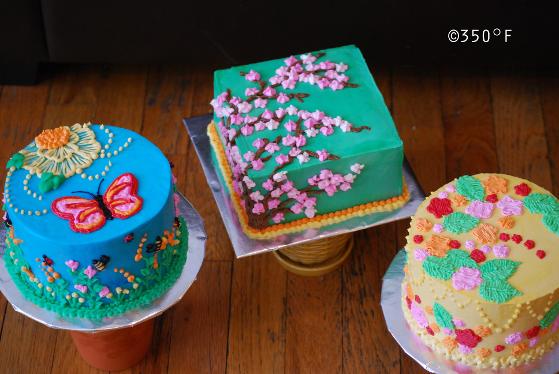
[(497, 291), (551, 221), (470, 187), (50, 182), (437, 267), (459, 222), (459, 258), (550, 316), (442, 316), (547, 205), (16, 161), (152, 284)]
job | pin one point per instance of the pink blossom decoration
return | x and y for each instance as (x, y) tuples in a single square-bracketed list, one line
[(73, 265), (469, 244), (258, 143), (450, 188), (260, 103), (257, 164), (280, 176), (244, 107), (466, 278), (290, 125), (303, 157), (458, 322), (104, 291), (258, 208), (510, 206), (276, 193), (501, 250), (252, 76), (282, 159), (268, 114), (532, 342), (296, 208), (278, 217), (420, 254), (280, 113), (273, 203), (336, 85), (247, 130), (290, 61), (271, 147), (80, 287), (485, 249), (269, 91), (256, 196), (259, 126), (345, 186), (356, 168), (310, 212), (419, 315), (272, 124), (438, 228), (326, 130), (464, 349), (90, 272), (291, 110), (322, 154), (249, 156), (268, 185), (287, 186), (249, 182), (513, 338), (251, 91), (288, 140), (300, 141), (236, 119), (480, 209)]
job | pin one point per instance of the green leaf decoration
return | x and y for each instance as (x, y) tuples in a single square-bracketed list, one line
[(498, 269), (459, 258), (440, 268), (541, 203), (50, 182), (459, 222), (550, 316), (497, 291), (442, 316), (470, 188), (16, 161), (551, 221)]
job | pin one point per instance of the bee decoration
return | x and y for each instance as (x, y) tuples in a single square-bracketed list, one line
[(47, 261), (129, 237), (101, 263), (159, 244), (7, 221), (177, 223), (171, 164)]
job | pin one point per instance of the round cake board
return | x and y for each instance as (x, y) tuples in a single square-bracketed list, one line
[(87, 332), (391, 302)]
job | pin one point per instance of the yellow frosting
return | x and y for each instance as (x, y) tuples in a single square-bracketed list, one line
[(510, 331)]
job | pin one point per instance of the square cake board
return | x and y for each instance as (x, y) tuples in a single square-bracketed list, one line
[(246, 246)]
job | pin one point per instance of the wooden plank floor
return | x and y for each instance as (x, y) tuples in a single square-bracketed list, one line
[(249, 315)]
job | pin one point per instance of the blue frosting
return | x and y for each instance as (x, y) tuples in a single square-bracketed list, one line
[(50, 235)]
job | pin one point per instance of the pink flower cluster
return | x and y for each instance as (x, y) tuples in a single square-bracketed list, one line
[(330, 182), (325, 74)]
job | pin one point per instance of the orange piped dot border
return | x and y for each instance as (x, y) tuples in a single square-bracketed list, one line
[(303, 223)]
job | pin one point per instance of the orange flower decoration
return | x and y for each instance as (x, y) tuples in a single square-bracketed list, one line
[(495, 184), (438, 245), (409, 291), (485, 233), (482, 331), (459, 200), (483, 352), (436, 329), (53, 138), (423, 224), (507, 222), (429, 310), (449, 343), (519, 349)]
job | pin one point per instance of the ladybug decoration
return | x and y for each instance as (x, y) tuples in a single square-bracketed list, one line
[(47, 261), (177, 223), (129, 237), (155, 246), (7, 221), (101, 263)]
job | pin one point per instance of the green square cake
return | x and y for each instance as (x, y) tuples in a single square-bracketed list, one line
[(305, 141)]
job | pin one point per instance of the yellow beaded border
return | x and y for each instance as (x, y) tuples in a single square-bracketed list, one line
[(505, 362), (303, 223)]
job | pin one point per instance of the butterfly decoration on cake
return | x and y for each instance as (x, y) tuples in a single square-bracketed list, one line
[(85, 215)]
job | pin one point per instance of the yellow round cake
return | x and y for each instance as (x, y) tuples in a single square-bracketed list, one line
[(482, 271)]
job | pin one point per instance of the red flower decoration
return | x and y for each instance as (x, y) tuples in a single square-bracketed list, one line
[(467, 337), (430, 330), (533, 332), (439, 207), (408, 301), (454, 244), (478, 256), (504, 236), (540, 253), (530, 244), (522, 189), (499, 348), (417, 299), (517, 238), (418, 239), (492, 198)]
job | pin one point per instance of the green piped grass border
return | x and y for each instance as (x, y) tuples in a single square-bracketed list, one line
[(116, 306)]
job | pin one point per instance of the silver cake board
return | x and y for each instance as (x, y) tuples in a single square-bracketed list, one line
[(195, 256), (245, 246), (391, 303)]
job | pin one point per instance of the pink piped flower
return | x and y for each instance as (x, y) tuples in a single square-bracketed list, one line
[(294, 152), (90, 272), (288, 140), (252, 76), (322, 154), (290, 61), (470, 244), (290, 125), (257, 164), (310, 212), (479, 209), (80, 287), (513, 338), (268, 185), (256, 196), (330, 190), (269, 91), (271, 147), (276, 193), (420, 254), (247, 130), (345, 186), (237, 119), (73, 265), (282, 159), (419, 315), (485, 249), (260, 103), (443, 195), (466, 278), (251, 91), (278, 217), (336, 85), (510, 206), (249, 156), (280, 176), (287, 186), (326, 130), (296, 208), (258, 208), (280, 113), (276, 79), (259, 126), (458, 322), (268, 114), (258, 143), (300, 141), (273, 203), (104, 291), (289, 84), (356, 168), (501, 250), (282, 98), (244, 107), (438, 228), (465, 349)]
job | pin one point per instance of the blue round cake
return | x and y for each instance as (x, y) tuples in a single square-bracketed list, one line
[(92, 228)]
